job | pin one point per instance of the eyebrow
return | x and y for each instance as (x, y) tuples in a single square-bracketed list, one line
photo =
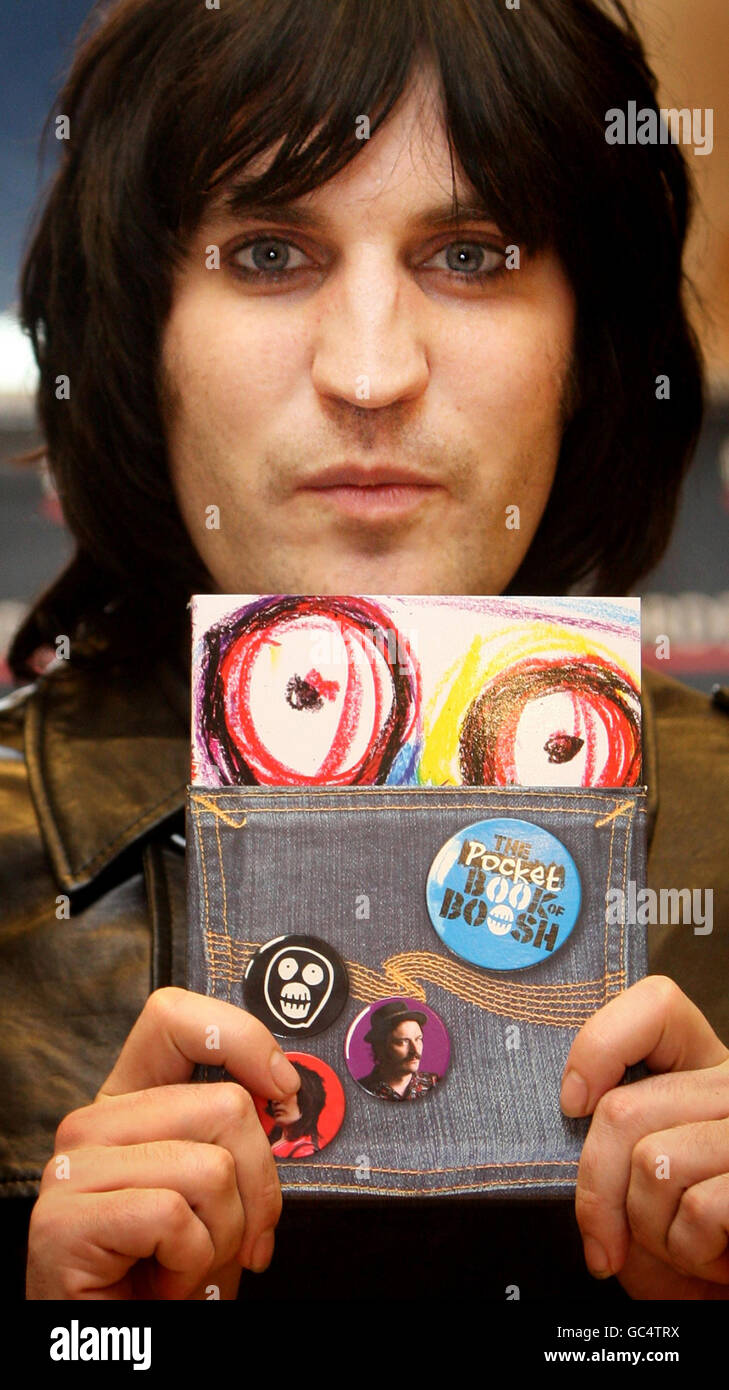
[(437, 215)]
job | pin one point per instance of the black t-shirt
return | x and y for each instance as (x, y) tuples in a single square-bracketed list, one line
[(450, 1248)]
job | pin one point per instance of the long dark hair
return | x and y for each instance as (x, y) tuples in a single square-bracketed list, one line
[(312, 1098), (168, 99)]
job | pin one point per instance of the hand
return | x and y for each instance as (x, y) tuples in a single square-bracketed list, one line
[(160, 1188), (652, 1197)]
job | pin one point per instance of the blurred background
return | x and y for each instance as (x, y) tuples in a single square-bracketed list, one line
[(685, 598)]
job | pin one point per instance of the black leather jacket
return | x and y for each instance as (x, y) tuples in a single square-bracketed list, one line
[(93, 770)]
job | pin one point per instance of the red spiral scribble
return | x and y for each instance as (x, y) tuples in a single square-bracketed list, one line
[(602, 699), (230, 734)]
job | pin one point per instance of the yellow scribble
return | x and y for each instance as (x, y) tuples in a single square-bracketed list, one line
[(464, 681)]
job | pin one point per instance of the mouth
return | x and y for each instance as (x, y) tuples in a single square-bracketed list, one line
[(295, 1001), (371, 492)]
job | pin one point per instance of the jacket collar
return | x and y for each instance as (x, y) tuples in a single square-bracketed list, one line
[(109, 761), (108, 758)]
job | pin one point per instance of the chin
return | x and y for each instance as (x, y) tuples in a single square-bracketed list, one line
[(380, 572)]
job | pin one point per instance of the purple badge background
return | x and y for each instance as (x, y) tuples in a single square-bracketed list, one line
[(436, 1041)]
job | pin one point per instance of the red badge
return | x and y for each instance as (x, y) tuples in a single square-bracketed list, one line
[(302, 1124)]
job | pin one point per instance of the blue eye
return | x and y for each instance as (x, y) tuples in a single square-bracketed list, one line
[(265, 266), (272, 255), (492, 260)]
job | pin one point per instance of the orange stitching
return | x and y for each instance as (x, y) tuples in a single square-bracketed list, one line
[(224, 891), (625, 806), (428, 1172), (200, 839), (256, 789), (606, 934), (201, 842), (542, 1005), (399, 974), (208, 805), (217, 810), (450, 1191), (622, 806)]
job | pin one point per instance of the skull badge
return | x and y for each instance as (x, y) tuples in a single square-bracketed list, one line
[(296, 984)]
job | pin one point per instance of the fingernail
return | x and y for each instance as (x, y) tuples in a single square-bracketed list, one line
[(283, 1073), (574, 1094), (262, 1253), (596, 1260)]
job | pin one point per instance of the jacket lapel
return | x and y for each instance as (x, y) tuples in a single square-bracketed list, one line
[(108, 760)]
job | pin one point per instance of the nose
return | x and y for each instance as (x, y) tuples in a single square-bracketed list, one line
[(370, 346)]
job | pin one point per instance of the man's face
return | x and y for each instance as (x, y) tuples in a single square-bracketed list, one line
[(286, 1111), (375, 349), (404, 1048)]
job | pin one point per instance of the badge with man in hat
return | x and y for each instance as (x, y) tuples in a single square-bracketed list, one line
[(396, 1038)]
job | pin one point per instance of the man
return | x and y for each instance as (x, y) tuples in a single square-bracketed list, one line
[(295, 1132), (331, 379), (396, 1038)]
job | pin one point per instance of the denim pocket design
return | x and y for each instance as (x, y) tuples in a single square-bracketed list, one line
[(350, 864)]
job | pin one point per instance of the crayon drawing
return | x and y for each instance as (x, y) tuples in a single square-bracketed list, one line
[(297, 690)]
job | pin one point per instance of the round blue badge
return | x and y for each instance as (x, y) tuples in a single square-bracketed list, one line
[(504, 894)]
